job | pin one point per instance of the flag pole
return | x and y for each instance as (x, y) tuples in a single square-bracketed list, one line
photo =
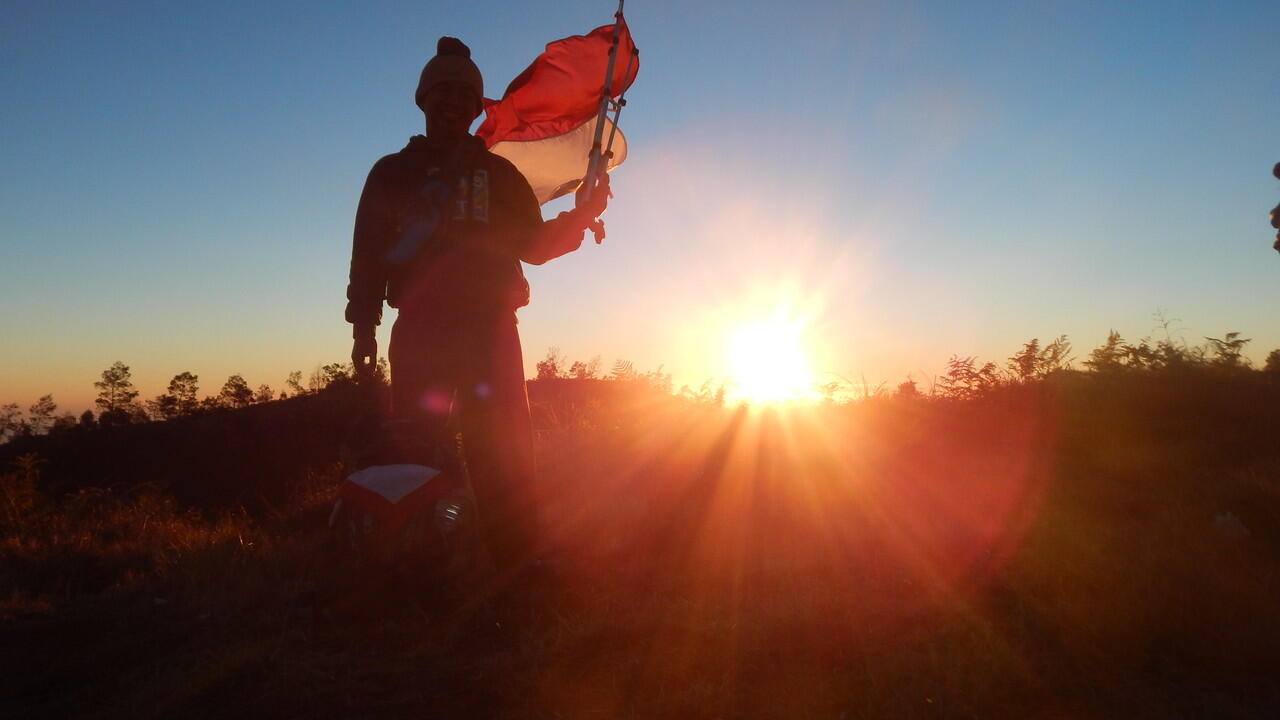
[(606, 92), (619, 104)]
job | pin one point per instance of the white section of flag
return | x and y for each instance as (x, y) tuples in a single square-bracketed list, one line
[(554, 166), (393, 482)]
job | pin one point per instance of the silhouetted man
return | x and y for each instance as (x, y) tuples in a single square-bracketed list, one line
[(440, 233)]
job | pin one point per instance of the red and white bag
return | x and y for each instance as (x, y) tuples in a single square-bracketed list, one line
[(390, 513)]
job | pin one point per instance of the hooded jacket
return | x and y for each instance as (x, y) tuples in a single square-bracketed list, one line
[(442, 231)]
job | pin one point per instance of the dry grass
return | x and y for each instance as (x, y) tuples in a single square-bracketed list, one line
[(1019, 558)]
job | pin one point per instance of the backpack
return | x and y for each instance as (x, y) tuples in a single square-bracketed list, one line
[(405, 501)]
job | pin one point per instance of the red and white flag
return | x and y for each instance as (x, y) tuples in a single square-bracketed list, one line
[(545, 122)]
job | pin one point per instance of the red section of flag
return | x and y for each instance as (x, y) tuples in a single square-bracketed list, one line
[(561, 89), (394, 515)]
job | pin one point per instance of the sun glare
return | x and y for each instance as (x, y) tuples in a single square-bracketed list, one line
[(767, 362)]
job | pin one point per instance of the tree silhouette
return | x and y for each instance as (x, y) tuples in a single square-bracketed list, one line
[(235, 393), (183, 388), (294, 384), (179, 400), (1273, 362), (116, 395), (585, 371), (551, 366), (63, 422), (331, 374), (10, 421), (264, 394), (163, 407), (41, 415)]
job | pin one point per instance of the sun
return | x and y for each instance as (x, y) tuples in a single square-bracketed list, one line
[(767, 361)]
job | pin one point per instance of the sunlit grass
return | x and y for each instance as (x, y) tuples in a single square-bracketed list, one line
[(897, 557)]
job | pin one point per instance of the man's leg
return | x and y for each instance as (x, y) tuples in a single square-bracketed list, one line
[(497, 438), (424, 375)]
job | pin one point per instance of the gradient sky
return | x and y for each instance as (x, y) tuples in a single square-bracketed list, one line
[(178, 184)]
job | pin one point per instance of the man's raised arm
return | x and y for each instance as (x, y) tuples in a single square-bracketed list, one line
[(563, 233)]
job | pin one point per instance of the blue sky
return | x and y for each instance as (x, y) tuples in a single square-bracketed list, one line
[(177, 184)]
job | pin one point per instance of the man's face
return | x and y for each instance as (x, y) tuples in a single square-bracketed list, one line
[(450, 107)]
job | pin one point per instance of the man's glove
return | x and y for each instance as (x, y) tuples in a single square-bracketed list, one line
[(364, 352), (592, 208)]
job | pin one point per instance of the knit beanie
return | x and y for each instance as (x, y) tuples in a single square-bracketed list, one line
[(452, 63)]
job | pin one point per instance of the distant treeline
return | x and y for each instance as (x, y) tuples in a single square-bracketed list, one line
[(965, 377), (118, 402)]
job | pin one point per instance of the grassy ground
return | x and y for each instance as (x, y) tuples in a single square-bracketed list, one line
[(1069, 551)]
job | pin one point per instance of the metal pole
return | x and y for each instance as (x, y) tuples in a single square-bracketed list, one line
[(593, 160), (618, 105)]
